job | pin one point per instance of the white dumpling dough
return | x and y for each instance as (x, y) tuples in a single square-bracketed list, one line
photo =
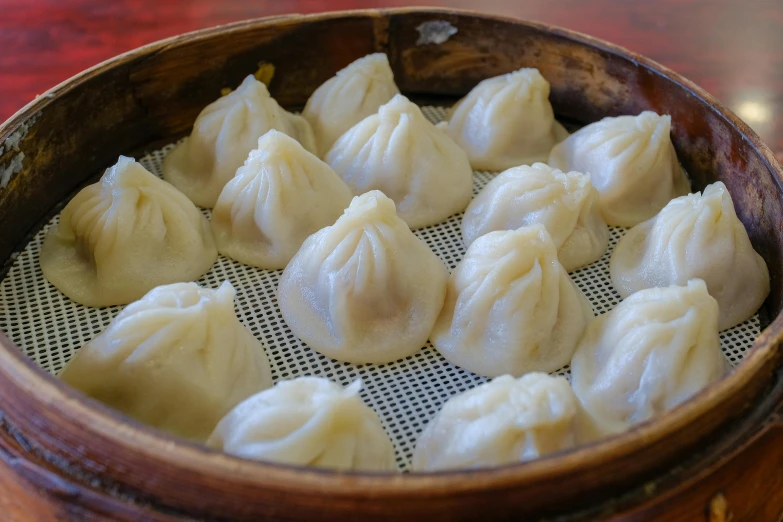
[(695, 236), (308, 421), (223, 135), (566, 204), (281, 195), (400, 153), (366, 289), (123, 236), (355, 92), (632, 163), (178, 359), (506, 121), (511, 307), (652, 352), (501, 422)]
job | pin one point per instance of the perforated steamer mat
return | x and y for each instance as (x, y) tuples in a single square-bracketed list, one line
[(406, 394)]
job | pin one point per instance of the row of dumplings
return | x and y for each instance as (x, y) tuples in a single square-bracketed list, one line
[(364, 289), (269, 194), (180, 360), (376, 139), (129, 233)]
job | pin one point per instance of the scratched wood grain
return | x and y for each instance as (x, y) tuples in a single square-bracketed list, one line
[(732, 48)]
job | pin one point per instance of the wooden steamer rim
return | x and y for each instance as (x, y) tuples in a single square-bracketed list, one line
[(72, 440)]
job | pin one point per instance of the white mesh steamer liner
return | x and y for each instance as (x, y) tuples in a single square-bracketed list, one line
[(406, 394)]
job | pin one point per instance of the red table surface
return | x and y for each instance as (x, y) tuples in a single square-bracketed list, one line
[(734, 49)]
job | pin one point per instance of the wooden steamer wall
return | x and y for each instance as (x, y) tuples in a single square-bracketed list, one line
[(718, 457)]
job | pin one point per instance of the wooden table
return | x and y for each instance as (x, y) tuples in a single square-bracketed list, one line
[(732, 48)]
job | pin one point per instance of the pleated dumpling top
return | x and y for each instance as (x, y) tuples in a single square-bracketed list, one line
[(223, 135), (506, 121), (307, 421), (631, 161), (355, 92), (280, 196), (123, 236), (178, 359), (400, 153), (366, 289)]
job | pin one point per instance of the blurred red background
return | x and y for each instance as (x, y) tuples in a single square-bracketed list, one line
[(734, 49)]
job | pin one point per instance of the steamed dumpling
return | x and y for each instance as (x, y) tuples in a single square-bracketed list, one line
[(652, 352), (308, 421), (344, 100), (123, 236), (632, 163), (501, 422), (178, 359), (400, 153), (695, 236), (506, 121), (511, 307), (364, 290), (566, 204), (281, 195), (223, 135)]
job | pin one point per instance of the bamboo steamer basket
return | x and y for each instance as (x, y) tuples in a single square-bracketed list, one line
[(66, 457)]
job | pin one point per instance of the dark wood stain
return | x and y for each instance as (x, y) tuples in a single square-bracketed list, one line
[(731, 48)]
